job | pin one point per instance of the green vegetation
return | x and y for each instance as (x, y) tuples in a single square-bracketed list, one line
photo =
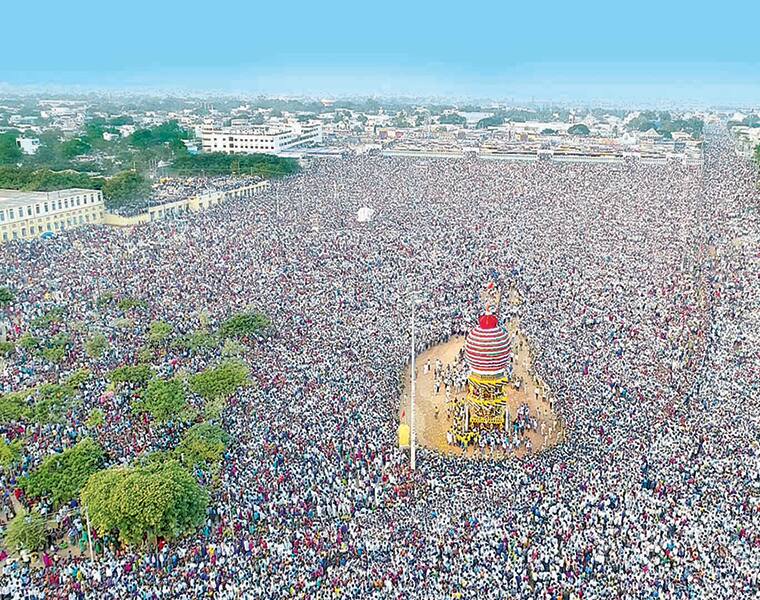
[(127, 303), (29, 343), (7, 348), (52, 316), (198, 340), (665, 125), (493, 121), (10, 453), (30, 179), (221, 382), (9, 151), (6, 296), (96, 345), (202, 445), (26, 531), (14, 406), (264, 165), (166, 133), (125, 189), (579, 129), (96, 419), (78, 378), (244, 325), (142, 504), (159, 332), (452, 119), (138, 375), (163, 399), (62, 476)]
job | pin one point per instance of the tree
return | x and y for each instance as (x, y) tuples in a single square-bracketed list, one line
[(10, 153), (96, 345), (29, 343), (74, 148), (131, 374), (216, 163), (78, 378), (62, 476), (757, 153), (26, 531), (10, 453), (143, 504), (7, 348), (487, 122), (128, 187), (220, 382), (163, 399), (244, 325), (6, 296), (14, 406), (202, 445), (579, 129), (198, 340), (159, 331), (452, 118), (96, 419)]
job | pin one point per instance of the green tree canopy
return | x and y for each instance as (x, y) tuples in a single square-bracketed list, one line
[(579, 129), (164, 399), (131, 374), (6, 296), (96, 345), (452, 119), (26, 531), (10, 453), (244, 325), (216, 163), (220, 382), (126, 188), (159, 331), (143, 504), (62, 476), (10, 153), (202, 445), (75, 147)]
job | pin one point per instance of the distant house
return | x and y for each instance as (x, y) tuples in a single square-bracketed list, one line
[(28, 145), (650, 135)]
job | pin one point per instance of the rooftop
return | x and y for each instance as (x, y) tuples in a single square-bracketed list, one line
[(16, 198)]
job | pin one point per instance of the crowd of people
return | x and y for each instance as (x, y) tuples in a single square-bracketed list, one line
[(640, 299)]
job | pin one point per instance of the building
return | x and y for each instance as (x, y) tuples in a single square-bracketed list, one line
[(28, 215), (191, 204), (260, 139), (28, 145)]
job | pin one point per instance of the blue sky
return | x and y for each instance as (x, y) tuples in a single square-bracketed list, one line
[(572, 51)]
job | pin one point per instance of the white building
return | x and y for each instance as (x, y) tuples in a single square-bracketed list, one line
[(28, 145), (27, 215), (260, 139)]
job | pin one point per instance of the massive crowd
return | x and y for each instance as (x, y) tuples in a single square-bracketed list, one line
[(640, 296)]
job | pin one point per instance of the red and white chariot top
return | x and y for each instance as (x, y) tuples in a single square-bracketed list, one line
[(488, 347)]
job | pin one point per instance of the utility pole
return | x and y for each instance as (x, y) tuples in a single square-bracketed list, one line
[(413, 429), (89, 533)]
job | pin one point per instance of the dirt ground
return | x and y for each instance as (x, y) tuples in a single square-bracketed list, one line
[(431, 431)]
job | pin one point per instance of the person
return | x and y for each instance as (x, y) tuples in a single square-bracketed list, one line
[(638, 277)]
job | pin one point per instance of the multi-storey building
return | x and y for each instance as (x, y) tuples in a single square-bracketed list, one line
[(26, 215), (260, 139)]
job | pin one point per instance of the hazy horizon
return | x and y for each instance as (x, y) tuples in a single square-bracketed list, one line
[(592, 53)]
